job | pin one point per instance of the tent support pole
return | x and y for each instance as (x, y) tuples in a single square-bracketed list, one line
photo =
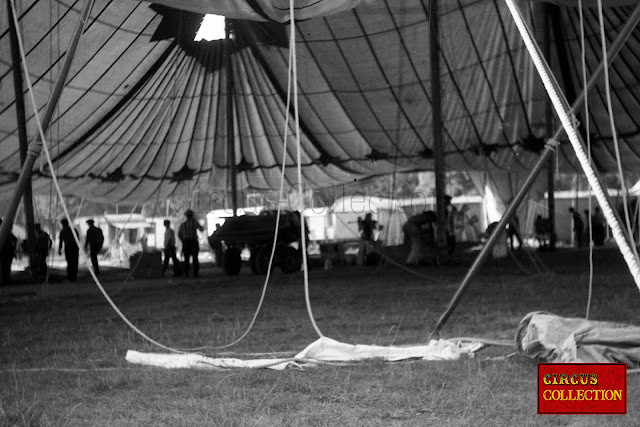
[(546, 154), (548, 120), (436, 119), (230, 131), (36, 145), (495, 235), (622, 237), (22, 134)]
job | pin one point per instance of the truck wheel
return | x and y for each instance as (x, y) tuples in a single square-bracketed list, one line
[(260, 260), (231, 261), (290, 259)]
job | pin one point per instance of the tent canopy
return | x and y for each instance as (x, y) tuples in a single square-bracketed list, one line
[(144, 109)]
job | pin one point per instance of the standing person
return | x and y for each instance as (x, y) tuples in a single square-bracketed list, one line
[(541, 226), (94, 241), (599, 227), (71, 250), (450, 227), (43, 246), (188, 234), (578, 227), (144, 246), (367, 227), (216, 245), (7, 254), (170, 250), (513, 232)]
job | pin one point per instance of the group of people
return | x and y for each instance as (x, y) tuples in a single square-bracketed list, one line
[(188, 235), (93, 242), (43, 245), (10, 249), (581, 231)]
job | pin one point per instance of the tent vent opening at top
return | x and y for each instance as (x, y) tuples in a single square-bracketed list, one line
[(212, 28)]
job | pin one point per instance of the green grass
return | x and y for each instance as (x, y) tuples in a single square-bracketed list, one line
[(357, 305)]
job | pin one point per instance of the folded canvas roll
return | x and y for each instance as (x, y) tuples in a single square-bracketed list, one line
[(556, 339)]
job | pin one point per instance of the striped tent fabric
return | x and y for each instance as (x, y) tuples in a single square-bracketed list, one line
[(144, 111)]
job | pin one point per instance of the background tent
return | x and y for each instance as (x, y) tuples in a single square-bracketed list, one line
[(145, 107), (388, 213)]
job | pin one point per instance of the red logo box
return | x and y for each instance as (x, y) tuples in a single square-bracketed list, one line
[(582, 388)]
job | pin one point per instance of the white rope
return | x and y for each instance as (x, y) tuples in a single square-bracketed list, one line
[(561, 107), (172, 95), (277, 227), (79, 209), (84, 256), (607, 86), (586, 114), (59, 191), (303, 234), (126, 221), (117, 241)]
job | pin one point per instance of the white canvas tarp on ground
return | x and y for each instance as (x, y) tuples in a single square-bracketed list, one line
[(322, 350), (556, 339)]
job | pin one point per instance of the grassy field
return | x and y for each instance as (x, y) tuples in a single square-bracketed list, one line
[(63, 358)]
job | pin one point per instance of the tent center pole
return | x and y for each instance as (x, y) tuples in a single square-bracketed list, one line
[(230, 130), (614, 49), (22, 135), (562, 109), (35, 146), (548, 121), (436, 118)]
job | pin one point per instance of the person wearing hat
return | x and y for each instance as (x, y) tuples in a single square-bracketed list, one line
[(71, 250), (94, 241), (170, 250), (188, 234)]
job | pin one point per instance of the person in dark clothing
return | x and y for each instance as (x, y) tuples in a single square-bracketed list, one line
[(94, 241), (543, 233), (216, 245), (513, 232), (188, 234), (71, 250), (578, 227), (419, 236), (599, 227), (7, 254), (43, 246), (170, 250), (450, 213), (367, 227), (367, 251)]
